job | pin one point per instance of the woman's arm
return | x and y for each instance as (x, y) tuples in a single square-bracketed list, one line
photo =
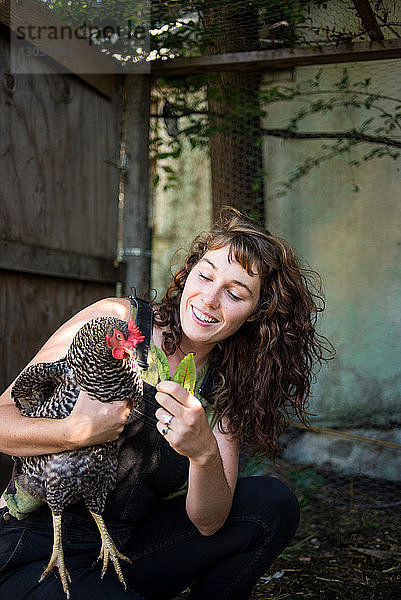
[(213, 456), (90, 422), (211, 486)]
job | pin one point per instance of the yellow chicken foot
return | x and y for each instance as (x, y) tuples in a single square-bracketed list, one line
[(109, 550), (57, 557)]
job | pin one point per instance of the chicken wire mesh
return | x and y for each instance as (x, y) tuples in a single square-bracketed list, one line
[(210, 148), (359, 458), (215, 27)]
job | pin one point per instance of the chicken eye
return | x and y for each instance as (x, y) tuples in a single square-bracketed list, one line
[(119, 337)]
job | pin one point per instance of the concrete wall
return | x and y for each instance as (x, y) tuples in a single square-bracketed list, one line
[(345, 221), (340, 16), (179, 213), (353, 239)]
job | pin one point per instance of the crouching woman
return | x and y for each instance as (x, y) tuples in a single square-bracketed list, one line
[(245, 308)]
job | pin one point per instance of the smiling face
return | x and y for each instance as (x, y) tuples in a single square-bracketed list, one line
[(218, 297)]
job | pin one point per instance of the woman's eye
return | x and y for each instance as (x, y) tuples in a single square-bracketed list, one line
[(205, 277), (234, 296)]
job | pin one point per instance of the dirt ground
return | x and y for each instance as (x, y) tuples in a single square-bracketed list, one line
[(348, 545)]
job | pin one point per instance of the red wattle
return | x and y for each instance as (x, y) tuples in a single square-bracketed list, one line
[(118, 353)]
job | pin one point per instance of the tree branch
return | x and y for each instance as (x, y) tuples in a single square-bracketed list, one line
[(368, 18), (339, 135)]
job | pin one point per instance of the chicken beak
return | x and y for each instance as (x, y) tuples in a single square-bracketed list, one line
[(130, 351)]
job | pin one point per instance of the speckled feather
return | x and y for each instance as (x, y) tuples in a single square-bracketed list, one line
[(51, 390)]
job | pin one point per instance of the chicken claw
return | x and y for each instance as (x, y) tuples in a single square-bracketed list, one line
[(57, 557), (109, 550)]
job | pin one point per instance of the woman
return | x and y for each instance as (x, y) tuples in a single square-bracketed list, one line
[(244, 307)]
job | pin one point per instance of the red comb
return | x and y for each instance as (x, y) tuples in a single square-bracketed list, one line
[(135, 335)]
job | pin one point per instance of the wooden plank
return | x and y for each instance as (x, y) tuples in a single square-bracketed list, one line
[(368, 19), (105, 84), (33, 307), (86, 62), (24, 258), (279, 59), (57, 188)]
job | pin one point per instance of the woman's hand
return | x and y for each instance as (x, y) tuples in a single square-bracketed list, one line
[(213, 456), (188, 431), (93, 422)]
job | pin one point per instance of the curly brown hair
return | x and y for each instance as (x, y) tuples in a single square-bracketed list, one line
[(269, 360)]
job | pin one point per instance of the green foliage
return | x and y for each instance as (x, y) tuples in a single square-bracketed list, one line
[(175, 28), (371, 524), (162, 364), (212, 109), (112, 12), (118, 28), (195, 28), (185, 374), (376, 131), (307, 482)]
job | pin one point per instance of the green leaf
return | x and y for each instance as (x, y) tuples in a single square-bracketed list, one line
[(167, 169), (162, 364), (373, 524), (185, 374)]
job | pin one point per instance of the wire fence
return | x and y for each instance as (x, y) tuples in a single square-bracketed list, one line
[(211, 128)]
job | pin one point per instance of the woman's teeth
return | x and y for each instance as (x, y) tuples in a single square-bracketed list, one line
[(199, 315)]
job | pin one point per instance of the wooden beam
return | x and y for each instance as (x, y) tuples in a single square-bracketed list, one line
[(368, 19), (278, 59), (24, 258), (86, 62)]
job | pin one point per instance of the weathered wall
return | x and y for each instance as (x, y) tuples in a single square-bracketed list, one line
[(353, 239), (340, 16), (57, 195), (179, 214)]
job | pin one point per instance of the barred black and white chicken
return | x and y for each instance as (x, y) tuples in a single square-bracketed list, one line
[(101, 360)]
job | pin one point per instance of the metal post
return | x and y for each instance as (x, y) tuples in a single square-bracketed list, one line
[(137, 217)]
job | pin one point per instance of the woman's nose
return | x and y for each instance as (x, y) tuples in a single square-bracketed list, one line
[(211, 298)]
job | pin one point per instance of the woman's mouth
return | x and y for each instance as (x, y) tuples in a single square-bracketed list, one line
[(201, 317)]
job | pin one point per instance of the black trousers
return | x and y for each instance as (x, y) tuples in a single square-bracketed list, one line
[(167, 551)]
